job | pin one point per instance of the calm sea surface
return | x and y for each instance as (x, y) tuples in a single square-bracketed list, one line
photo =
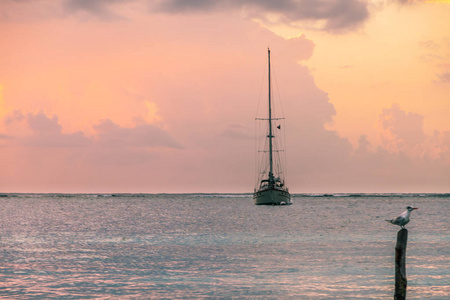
[(189, 246)]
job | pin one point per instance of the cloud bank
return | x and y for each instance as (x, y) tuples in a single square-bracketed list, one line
[(45, 131), (400, 131), (407, 160), (143, 135), (332, 15)]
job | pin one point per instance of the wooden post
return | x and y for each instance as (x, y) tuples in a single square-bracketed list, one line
[(400, 268)]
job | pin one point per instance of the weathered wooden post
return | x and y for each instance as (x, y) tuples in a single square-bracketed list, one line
[(400, 268)]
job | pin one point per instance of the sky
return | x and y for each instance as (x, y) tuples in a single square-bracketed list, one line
[(135, 96)]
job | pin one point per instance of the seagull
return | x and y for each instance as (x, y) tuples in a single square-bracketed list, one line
[(403, 219)]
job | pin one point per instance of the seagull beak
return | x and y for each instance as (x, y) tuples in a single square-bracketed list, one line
[(415, 208)]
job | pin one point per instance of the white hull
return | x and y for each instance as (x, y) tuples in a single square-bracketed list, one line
[(272, 197)]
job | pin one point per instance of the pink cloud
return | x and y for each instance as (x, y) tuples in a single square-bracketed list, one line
[(143, 135), (46, 131), (399, 130)]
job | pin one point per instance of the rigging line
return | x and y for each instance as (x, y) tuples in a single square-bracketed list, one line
[(283, 159), (261, 88), (285, 154), (258, 167), (262, 144), (274, 72), (259, 162), (263, 158), (256, 156)]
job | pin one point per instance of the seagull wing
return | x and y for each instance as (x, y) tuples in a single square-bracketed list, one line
[(398, 221)]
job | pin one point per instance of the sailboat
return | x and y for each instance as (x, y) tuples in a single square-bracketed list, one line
[(270, 187)]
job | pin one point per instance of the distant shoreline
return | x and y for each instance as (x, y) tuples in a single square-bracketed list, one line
[(227, 195)]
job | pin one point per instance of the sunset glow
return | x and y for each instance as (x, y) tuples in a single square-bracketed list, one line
[(131, 96)]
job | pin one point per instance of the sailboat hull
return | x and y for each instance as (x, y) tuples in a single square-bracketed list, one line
[(272, 197)]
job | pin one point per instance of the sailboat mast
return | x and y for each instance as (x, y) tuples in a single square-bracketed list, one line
[(270, 136), (271, 189)]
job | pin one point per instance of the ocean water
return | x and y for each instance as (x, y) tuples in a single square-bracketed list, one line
[(216, 246)]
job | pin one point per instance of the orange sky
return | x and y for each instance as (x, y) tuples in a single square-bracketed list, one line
[(143, 96)]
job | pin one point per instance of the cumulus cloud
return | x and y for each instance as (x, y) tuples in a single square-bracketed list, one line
[(407, 160), (402, 135), (438, 146), (399, 130), (42, 124), (46, 131), (111, 134), (334, 15), (304, 48), (363, 145)]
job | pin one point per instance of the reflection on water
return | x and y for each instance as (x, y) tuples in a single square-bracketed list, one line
[(218, 246)]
